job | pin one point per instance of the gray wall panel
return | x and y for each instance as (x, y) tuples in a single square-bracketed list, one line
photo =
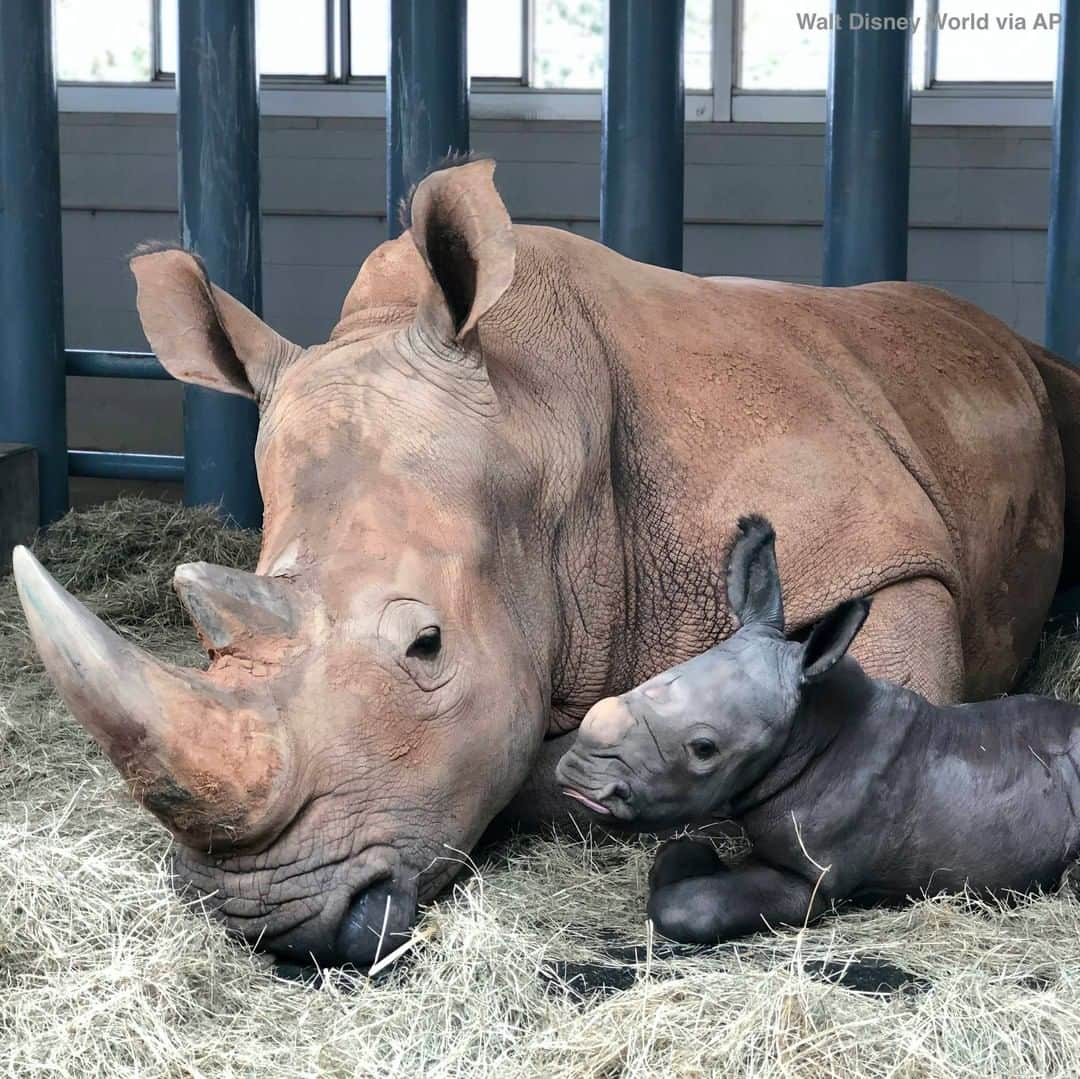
[(754, 196)]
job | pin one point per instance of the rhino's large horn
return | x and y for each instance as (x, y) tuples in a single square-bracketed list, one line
[(231, 605), (210, 762)]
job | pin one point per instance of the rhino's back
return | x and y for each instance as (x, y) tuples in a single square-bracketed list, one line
[(890, 431)]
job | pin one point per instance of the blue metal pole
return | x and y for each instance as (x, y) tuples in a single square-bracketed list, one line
[(1063, 259), (868, 143), (218, 130), (427, 102), (90, 363), (641, 142), (32, 393)]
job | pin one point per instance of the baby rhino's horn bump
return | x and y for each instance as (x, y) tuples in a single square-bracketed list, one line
[(607, 722)]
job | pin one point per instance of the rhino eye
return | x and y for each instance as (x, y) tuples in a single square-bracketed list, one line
[(427, 645), (703, 748)]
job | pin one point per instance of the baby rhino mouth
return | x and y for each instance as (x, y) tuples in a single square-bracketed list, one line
[(600, 795), (589, 803)]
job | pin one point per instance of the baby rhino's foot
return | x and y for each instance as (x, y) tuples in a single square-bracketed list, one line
[(679, 859)]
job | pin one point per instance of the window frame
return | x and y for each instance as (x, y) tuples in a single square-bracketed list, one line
[(340, 94)]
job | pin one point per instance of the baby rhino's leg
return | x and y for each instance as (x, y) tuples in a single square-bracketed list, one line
[(681, 858), (716, 903)]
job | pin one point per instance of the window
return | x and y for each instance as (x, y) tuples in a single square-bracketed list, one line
[(777, 51), (566, 41), (495, 49), (568, 44), (1001, 41), (92, 49), (291, 37), (784, 44), (985, 63), (543, 43)]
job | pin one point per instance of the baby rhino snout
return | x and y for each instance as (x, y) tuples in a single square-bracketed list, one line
[(605, 724), (590, 772)]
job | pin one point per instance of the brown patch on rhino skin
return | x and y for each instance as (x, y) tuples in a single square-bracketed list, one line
[(186, 811)]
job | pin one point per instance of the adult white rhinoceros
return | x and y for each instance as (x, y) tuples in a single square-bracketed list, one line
[(504, 489)]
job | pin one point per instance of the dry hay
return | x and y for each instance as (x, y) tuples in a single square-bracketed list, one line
[(104, 971)]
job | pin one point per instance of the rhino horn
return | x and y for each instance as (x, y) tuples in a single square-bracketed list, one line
[(204, 758), (230, 605)]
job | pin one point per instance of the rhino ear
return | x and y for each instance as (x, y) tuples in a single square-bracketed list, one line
[(830, 639), (199, 332), (753, 580), (461, 228)]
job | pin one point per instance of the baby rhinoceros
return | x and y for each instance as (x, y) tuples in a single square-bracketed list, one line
[(849, 789)]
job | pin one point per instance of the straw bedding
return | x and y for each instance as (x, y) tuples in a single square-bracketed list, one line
[(105, 971)]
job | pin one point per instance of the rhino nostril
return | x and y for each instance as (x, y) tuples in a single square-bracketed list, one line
[(616, 789), (377, 921)]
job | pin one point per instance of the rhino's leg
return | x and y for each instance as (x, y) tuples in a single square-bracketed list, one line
[(912, 637)]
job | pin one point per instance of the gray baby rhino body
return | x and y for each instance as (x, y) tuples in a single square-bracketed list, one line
[(849, 788)]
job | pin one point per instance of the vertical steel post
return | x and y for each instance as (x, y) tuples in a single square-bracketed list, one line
[(32, 391), (218, 134), (868, 143), (641, 141), (1063, 241), (427, 88)]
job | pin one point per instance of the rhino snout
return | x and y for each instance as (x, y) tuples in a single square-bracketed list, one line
[(378, 921), (593, 772), (375, 922)]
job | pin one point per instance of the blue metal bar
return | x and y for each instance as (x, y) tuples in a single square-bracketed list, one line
[(32, 393), (1063, 241), (87, 363), (102, 465), (427, 102), (641, 147), (868, 143), (218, 125)]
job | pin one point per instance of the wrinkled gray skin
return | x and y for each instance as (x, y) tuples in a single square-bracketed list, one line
[(849, 788)]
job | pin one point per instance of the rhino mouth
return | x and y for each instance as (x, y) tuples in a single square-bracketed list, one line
[(612, 801), (586, 801)]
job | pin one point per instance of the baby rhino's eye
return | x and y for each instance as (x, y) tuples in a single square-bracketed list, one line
[(703, 748)]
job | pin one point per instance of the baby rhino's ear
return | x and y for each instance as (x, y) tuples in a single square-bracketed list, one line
[(830, 639), (753, 581)]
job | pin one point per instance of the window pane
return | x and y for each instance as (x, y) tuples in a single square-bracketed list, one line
[(369, 34), (494, 49), (781, 46), (495, 39), (91, 48), (1010, 42), (568, 44), (292, 36), (784, 44), (697, 45)]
